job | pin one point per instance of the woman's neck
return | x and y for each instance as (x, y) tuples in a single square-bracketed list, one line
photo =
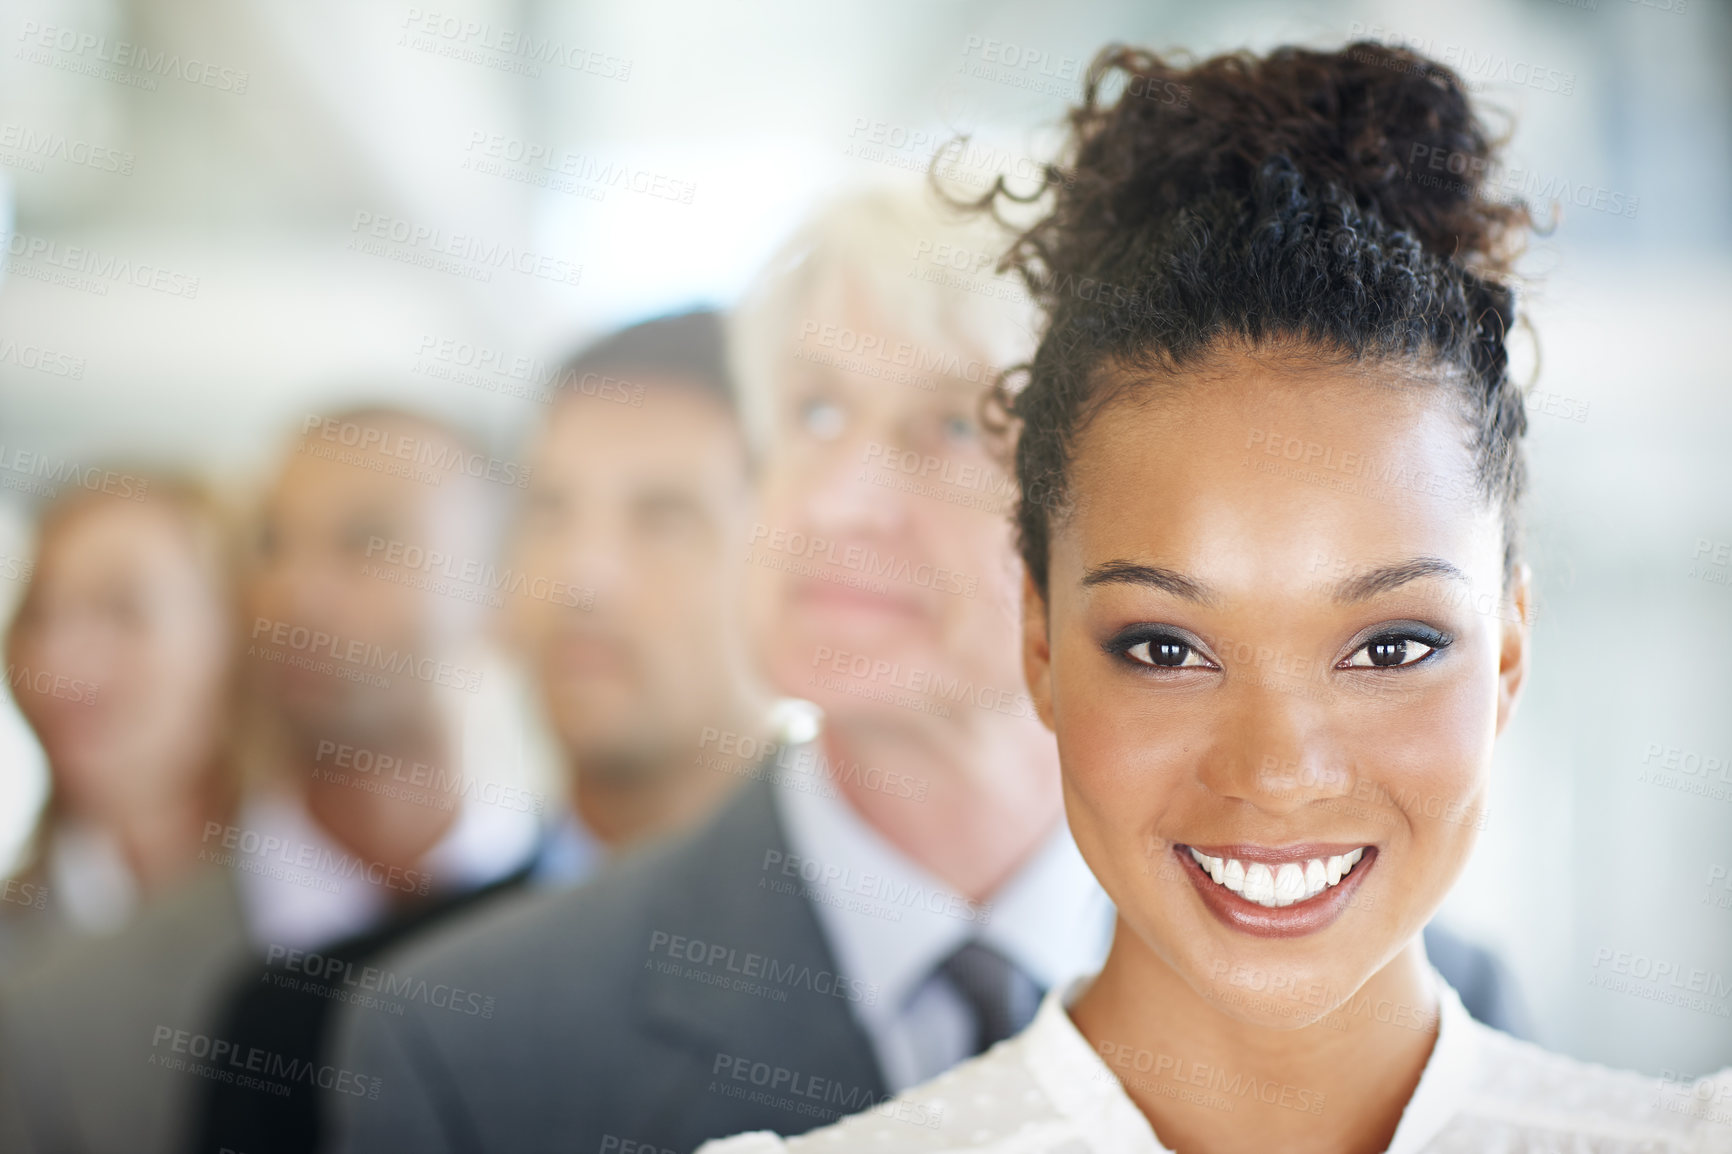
[(159, 837), (1211, 1083)]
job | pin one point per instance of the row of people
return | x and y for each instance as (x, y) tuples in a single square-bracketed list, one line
[(1100, 806), (334, 894)]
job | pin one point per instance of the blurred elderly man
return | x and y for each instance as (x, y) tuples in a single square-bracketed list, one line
[(207, 1013)]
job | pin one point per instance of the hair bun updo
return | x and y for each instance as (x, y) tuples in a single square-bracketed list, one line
[(1335, 200)]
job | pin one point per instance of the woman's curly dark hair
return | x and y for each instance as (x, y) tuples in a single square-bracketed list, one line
[(1333, 201)]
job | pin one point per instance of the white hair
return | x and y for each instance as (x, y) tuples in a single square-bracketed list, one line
[(928, 268)]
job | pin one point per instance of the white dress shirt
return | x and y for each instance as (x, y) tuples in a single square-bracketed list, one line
[(568, 855), (1047, 1091), (300, 890), (890, 924), (89, 879)]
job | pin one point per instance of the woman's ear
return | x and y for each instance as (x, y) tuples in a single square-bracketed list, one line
[(1517, 631), (1036, 650)]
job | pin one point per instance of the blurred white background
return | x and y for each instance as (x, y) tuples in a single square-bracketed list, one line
[(725, 120)]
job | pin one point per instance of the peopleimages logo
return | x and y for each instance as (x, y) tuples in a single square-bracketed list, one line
[(473, 572), (714, 962), (369, 766), (952, 687), (437, 454), (41, 474), (303, 645), (767, 1084), (467, 254), (96, 51), (872, 887), (922, 359), (223, 1060), (40, 145), (89, 270), (861, 561), (48, 684), (258, 848), (41, 359), (508, 48), (543, 165), (336, 972)]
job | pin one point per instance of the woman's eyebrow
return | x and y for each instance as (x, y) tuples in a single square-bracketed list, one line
[(1356, 588), (1387, 577), (1151, 576)]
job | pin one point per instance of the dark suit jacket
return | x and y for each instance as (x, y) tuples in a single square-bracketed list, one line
[(676, 998), (283, 1008)]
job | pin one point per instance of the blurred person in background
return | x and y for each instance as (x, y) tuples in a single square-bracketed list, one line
[(120, 657), (360, 824), (629, 622), (368, 605)]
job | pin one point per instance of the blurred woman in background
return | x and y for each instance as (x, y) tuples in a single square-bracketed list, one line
[(120, 659)]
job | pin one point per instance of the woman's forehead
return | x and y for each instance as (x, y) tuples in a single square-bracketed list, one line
[(1261, 464)]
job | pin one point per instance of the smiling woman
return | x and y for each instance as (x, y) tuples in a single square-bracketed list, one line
[(1274, 675)]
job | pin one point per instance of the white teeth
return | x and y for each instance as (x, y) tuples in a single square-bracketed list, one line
[(1289, 884), (1282, 885), (1259, 884)]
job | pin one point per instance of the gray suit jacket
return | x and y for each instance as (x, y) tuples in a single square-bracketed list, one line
[(674, 999), (96, 1041), (621, 1012)]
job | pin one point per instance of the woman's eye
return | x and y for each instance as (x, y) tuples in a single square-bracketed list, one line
[(1165, 653), (1388, 652)]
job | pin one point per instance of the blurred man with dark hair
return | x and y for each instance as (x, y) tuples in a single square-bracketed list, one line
[(629, 622)]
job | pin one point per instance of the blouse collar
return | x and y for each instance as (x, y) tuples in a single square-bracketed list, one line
[(1085, 1090)]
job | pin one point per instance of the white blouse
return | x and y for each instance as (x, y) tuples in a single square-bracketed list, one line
[(1046, 1091)]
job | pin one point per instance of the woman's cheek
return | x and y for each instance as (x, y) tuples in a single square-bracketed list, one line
[(1449, 737), (1123, 760), (1430, 763)]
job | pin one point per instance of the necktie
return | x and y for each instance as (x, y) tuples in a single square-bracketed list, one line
[(1002, 997)]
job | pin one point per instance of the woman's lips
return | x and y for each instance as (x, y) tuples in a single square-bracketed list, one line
[(1277, 892)]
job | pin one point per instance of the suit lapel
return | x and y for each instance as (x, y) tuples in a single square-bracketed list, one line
[(735, 971)]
